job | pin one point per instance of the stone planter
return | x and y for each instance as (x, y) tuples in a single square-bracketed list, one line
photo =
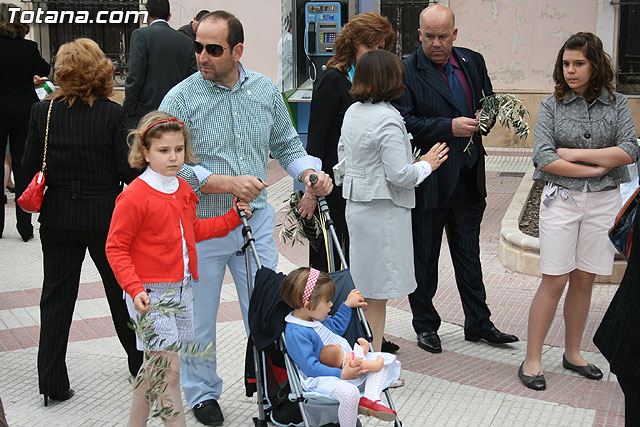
[(520, 252)]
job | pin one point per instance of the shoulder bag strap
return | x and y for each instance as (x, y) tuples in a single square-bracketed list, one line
[(46, 138)]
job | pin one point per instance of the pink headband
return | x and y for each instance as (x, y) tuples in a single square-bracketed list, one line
[(311, 284), (172, 119)]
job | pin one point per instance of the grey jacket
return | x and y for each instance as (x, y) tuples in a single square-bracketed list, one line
[(574, 124), (377, 151)]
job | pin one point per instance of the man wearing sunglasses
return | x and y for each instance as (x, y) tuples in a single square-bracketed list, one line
[(236, 118), (160, 57)]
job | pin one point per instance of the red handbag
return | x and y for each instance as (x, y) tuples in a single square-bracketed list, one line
[(31, 199)]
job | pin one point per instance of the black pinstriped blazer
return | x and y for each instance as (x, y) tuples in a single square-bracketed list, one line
[(86, 162), (428, 107)]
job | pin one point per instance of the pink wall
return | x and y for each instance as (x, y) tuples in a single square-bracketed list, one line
[(521, 38)]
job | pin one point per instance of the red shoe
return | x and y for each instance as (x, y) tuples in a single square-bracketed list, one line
[(375, 409)]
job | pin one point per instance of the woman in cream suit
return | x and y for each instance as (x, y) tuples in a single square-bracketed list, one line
[(378, 184)]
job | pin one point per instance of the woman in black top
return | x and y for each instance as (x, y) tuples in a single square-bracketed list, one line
[(86, 166), (21, 61)]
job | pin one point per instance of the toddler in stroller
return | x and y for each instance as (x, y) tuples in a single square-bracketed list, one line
[(309, 329)]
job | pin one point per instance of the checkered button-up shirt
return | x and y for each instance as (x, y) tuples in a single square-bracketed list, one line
[(232, 133)]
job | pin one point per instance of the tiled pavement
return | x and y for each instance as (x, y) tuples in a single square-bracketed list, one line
[(469, 384)]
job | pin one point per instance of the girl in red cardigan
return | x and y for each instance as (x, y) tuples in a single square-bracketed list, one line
[(151, 249)]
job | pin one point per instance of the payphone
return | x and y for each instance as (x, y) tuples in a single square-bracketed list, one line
[(322, 22), (318, 25)]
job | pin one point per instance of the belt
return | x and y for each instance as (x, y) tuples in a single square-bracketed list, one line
[(79, 188), (555, 191)]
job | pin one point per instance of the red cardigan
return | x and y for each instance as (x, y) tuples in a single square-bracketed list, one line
[(144, 244)]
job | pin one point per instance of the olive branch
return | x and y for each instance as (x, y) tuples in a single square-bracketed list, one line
[(506, 109), (416, 154), (297, 229), (156, 365)]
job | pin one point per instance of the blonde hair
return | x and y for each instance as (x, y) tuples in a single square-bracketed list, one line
[(151, 126), (83, 72), (292, 288)]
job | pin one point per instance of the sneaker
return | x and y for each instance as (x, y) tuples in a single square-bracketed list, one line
[(208, 412), (376, 409)]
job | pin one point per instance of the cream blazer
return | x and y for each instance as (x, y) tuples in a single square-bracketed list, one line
[(375, 156)]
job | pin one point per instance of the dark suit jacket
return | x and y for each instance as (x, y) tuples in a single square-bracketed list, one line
[(187, 30), (86, 162), (330, 101), (159, 58), (428, 108), (21, 60)]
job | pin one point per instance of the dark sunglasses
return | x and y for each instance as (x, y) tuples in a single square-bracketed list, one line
[(212, 49)]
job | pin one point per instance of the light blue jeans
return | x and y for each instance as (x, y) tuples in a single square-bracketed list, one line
[(198, 376)]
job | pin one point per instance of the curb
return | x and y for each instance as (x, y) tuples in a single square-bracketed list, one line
[(520, 252)]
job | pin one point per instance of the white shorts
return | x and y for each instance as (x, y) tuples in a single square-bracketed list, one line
[(574, 228), (170, 328)]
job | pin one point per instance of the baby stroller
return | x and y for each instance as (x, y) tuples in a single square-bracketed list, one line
[(269, 370)]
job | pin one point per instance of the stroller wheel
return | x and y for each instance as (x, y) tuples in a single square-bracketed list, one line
[(259, 423)]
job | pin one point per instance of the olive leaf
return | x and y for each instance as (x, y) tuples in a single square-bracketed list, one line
[(505, 109), (156, 365), (297, 229), (416, 154)]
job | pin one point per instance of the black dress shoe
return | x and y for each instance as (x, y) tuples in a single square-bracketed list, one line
[(208, 412), (429, 341), (534, 382), (493, 335), (65, 395), (389, 347), (590, 371)]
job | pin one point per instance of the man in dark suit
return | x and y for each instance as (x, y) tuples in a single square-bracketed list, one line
[(190, 29), (444, 86), (159, 58)]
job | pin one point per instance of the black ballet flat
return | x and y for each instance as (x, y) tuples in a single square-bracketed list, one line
[(590, 371), (534, 382), (65, 395)]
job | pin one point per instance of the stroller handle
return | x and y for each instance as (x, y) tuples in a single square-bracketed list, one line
[(324, 209)]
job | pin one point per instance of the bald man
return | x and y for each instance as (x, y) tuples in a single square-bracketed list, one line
[(444, 85)]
